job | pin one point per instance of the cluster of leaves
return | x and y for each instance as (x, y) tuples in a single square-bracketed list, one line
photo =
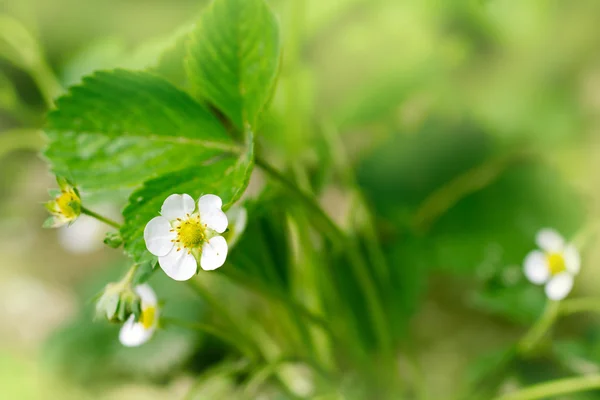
[(136, 134)]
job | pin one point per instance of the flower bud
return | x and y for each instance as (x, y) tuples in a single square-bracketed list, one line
[(118, 302), (65, 207)]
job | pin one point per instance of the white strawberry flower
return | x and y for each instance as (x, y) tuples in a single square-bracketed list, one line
[(554, 265), (185, 235), (134, 333)]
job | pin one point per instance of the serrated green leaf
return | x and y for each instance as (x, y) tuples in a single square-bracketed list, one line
[(120, 128), (233, 58), (227, 178)]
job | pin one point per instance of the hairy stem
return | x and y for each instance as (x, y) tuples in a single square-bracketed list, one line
[(307, 200), (99, 217)]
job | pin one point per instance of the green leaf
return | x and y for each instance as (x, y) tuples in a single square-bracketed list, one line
[(233, 58), (227, 178), (120, 128)]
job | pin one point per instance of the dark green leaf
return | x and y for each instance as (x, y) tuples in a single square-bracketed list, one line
[(233, 58)]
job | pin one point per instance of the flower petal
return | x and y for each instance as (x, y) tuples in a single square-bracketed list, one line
[(158, 236), (559, 286), (133, 334), (146, 294), (572, 259), (214, 253), (550, 241), (211, 214), (178, 265), (177, 206), (536, 268)]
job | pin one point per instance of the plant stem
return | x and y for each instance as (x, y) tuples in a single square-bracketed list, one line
[(99, 217), (539, 329), (555, 388), (213, 331), (306, 199)]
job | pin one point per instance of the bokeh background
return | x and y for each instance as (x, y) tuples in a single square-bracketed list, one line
[(470, 125)]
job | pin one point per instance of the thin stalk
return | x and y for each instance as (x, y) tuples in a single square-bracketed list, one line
[(555, 388), (101, 218), (307, 200), (540, 328)]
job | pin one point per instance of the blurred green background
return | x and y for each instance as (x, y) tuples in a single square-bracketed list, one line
[(470, 125)]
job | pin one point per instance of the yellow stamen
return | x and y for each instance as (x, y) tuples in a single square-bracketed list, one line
[(191, 234), (556, 263), (68, 204), (147, 317)]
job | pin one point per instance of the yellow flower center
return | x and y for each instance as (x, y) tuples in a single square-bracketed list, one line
[(191, 233), (147, 317), (556, 263), (68, 204)]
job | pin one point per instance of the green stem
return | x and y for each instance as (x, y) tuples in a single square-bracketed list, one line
[(555, 388), (99, 217), (128, 278), (213, 331), (307, 200), (540, 328)]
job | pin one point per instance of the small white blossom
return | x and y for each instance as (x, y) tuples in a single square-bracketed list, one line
[(554, 265), (134, 333), (185, 235)]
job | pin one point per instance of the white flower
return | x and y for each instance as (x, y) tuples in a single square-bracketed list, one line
[(134, 333), (184, 236), (555, 265)]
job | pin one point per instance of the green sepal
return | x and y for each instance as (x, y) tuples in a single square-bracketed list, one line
[(113, 240), (51, 222)]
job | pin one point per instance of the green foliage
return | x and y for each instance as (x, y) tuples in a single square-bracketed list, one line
[(227, 178), (234, 58), (119, 128)]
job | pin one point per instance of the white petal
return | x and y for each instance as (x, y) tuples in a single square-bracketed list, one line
[(158, 237), (178, 265), (211, 214), (572, 259), (550, 241), (536, 268), (177, 206), (214, 253), (133, 334), (559, 286), (146, 294)]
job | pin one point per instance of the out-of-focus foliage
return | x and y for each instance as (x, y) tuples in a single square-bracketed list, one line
[(447, 132)]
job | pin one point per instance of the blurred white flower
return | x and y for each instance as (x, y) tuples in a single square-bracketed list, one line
[(183, 236), (555, 264), (134, 333)]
